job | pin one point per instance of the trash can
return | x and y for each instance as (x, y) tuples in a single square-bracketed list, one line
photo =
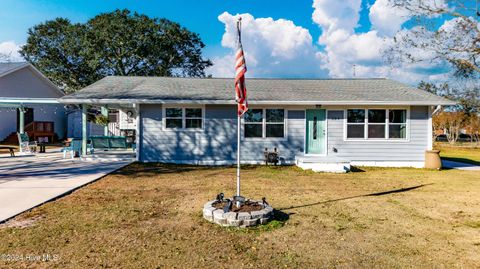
[(432, 159)]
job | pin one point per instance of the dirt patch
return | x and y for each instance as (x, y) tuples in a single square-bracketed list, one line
[(249, 206), (21, 223)]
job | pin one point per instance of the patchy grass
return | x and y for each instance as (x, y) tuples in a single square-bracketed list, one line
[(461, 152), (149, 215)]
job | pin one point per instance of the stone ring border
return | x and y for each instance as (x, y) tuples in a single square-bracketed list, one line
[(240, 219)]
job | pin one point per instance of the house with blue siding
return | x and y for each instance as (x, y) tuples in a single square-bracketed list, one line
[(320, 124)]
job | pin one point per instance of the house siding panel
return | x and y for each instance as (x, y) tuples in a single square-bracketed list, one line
[(412, 150), (217, 142)]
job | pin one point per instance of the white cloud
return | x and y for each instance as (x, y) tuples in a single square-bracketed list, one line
[(273, 48), (335, 15), (344, 48), (279, 48), (386, 18), (9, 51)]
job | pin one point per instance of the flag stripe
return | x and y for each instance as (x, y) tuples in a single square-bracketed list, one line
[(240, 88)]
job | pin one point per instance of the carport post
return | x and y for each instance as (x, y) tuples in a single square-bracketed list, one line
[(105, 113), (21, 127), (84, 130)]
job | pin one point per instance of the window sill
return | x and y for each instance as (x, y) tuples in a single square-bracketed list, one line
[(260, 139), (183, 129), (376, 140)]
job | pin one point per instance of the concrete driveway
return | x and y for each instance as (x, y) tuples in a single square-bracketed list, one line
[(26, 182), (459, 165)]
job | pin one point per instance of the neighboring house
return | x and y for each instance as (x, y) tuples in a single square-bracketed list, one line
[(23, 89), (376, 122)]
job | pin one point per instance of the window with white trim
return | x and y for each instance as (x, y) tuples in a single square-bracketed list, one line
[(264, 123), (183, 118), (193, 118), (376, 124), (356, 123), (397, 124)]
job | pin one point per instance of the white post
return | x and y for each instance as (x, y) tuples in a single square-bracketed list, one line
[(21, 120), (104, 111), (137, 132), (238, 156), (84, 131)]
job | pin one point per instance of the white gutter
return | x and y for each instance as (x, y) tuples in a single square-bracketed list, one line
[(232, 102), (10, 100)]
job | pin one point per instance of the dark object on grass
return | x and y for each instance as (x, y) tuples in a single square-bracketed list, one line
[(228, 206), (264, 202), (220, 197), (271, 156)]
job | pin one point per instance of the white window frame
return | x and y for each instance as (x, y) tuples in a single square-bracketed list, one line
[(364, 123), (407, 120), (367, 124), (387, 125), (264, 125), (184, 117)]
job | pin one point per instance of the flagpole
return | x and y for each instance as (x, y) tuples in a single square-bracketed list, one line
[(238, 156), (239, 25), (240, 69)]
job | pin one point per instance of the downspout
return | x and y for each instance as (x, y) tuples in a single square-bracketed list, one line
[(438, 108), (430, 125)]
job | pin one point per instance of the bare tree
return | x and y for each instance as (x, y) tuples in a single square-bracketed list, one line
[(456, 41), (473, 127), (451, 123)]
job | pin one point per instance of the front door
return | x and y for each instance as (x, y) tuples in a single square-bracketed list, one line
[(315, 138)]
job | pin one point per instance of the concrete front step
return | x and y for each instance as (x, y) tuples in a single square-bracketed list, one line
[(323, 163)]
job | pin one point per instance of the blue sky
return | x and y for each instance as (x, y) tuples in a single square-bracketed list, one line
[(199, 16), (203, 17)]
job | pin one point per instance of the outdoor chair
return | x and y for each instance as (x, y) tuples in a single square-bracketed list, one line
[(25, 145), (74, 148), (67, 148)]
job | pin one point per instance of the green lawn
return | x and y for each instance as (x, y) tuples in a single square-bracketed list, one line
[(148, 216), (467, 152)]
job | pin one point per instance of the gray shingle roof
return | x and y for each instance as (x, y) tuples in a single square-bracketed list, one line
[(9, 66), (261, 91)]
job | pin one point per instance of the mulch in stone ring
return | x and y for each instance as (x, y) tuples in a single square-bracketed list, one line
[(224, 212)]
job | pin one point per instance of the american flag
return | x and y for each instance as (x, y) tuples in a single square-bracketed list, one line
[(240, 69)]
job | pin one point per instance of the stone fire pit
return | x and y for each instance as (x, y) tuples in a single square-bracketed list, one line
[(250, 213)]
